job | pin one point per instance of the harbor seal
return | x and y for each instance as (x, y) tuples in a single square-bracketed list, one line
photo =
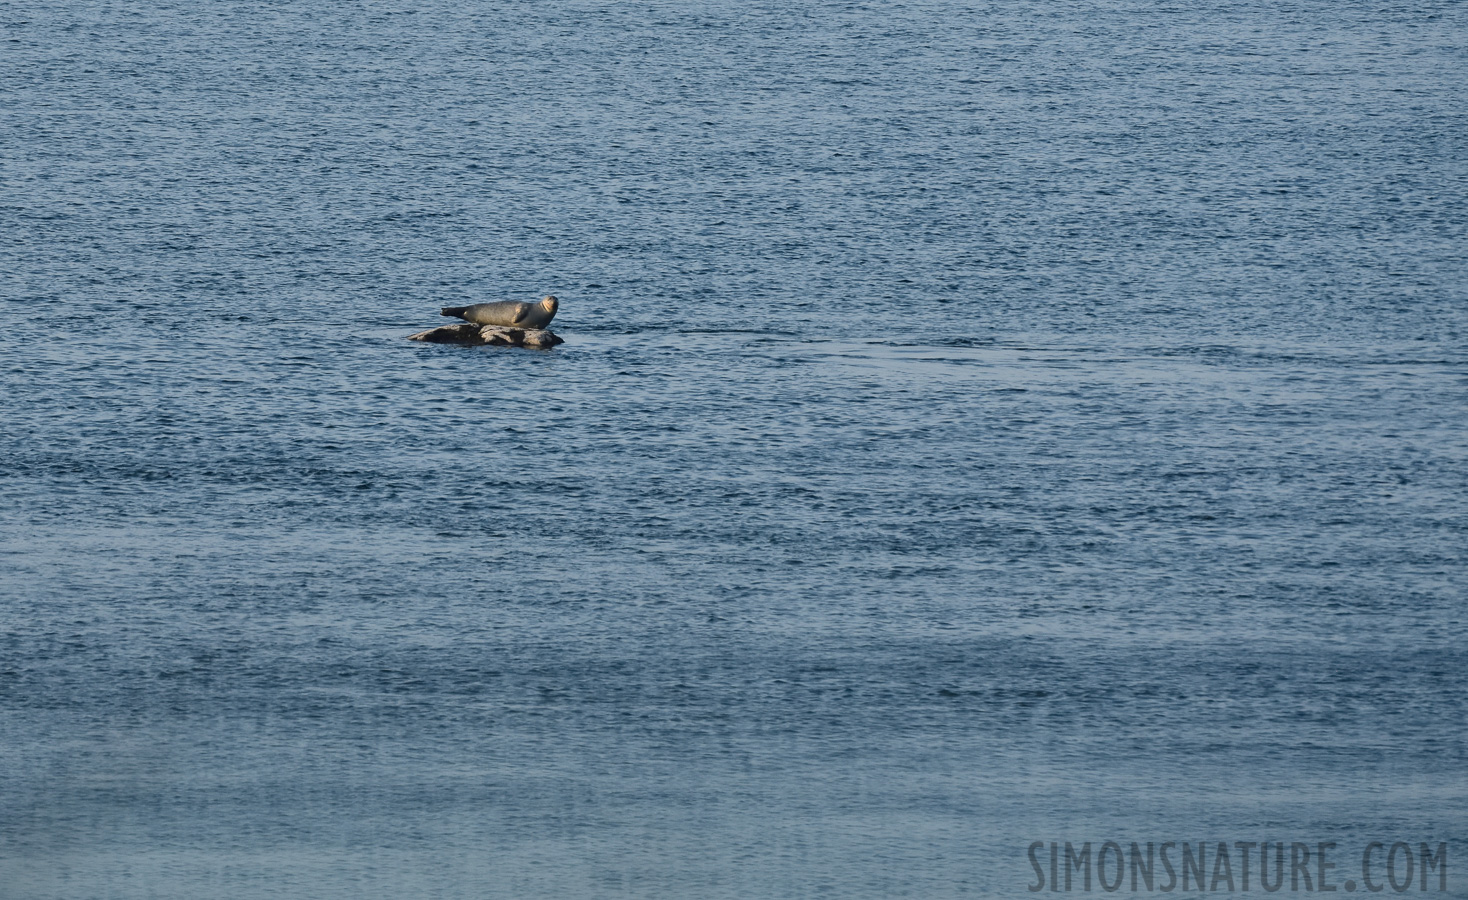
[(507, 313)]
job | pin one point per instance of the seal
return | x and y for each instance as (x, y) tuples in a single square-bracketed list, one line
[(507, 313)]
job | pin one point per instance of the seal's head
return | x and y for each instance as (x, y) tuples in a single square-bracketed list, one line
[(550, 304)]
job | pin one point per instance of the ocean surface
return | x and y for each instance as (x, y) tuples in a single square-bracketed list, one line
[(979, 423)]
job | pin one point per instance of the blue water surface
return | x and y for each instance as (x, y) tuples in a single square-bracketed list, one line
[(978, 423)]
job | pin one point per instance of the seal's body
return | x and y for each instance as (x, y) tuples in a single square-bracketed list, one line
[(507, 313)]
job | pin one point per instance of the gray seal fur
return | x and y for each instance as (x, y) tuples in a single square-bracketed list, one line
[(507, 313)]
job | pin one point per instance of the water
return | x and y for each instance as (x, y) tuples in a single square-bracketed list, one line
[(978, 424)]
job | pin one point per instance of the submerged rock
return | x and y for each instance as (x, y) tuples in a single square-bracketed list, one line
[(488, 336)]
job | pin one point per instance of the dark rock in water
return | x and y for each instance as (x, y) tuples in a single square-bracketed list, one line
[(449, 334), (489, 336)]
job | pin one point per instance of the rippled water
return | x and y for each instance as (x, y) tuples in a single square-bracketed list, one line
[(978, 423)]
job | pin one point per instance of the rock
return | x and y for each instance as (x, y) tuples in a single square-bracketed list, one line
[(449, 334), (488, 336), (541, 339)]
